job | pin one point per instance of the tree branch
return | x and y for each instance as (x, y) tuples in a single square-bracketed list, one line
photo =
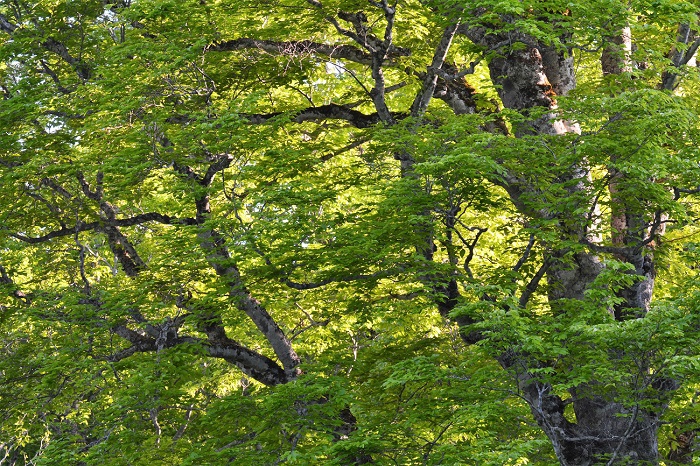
[(526, 253), (221, 162), (219, 258), (323, 112), (533, 284), (98, 226), (5, 279), (296, 48), (6, 25), (218, 345), (420, 104), (685, 35), (52, 45)]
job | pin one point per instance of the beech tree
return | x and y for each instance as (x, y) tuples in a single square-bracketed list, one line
[(349, 232)]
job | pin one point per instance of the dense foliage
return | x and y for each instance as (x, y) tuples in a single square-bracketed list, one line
[(349, 232)]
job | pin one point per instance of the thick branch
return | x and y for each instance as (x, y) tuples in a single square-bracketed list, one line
[(453, 89), (617, 55), (324, 112), (218, 256), (253, 364), (6, 25), (680, 57), (222, 162), (61, 50), (120, 245), (257, 366), (52, 45), (98, 226), (296, 48), (420, 104)]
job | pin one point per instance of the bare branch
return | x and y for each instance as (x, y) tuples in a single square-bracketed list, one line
[(54, 77), (344, 149), (362, 33), (217, 345), (57, 47), (94, 195), (526, 253), (214, 246), (57, 188), (686, 35), (253, 364), (678, 191), (221, 162), (471, 245)]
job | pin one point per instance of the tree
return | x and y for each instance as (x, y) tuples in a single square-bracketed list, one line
[(348, 232)]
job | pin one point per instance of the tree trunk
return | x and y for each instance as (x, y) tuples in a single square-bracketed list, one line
[(604, 431)]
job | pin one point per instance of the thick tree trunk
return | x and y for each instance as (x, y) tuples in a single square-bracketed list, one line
[(604, 431)]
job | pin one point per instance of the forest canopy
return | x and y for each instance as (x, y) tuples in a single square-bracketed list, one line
[(349, 232)]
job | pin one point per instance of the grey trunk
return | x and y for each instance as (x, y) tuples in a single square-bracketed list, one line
[(604, 431)]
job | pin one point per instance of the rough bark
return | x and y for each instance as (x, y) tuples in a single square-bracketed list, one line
[(617, 55)]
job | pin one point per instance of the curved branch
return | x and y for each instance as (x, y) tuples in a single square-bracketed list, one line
[(678, 191), (220, 259), (323, 112), (214, 246), (222, 162), (99, 225), (253, 364), (295, 48)]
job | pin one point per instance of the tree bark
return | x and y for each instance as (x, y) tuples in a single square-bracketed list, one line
[(605, 431)]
